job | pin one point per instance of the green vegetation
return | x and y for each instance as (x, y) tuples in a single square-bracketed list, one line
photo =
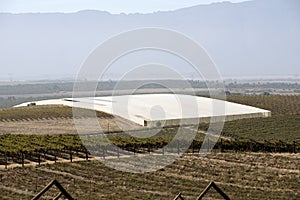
[(284, 128), (45, 112), (277, 104), (29, 143), (283, 125), (276, 128)]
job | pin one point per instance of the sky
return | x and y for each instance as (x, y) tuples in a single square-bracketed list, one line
[(112, 6)]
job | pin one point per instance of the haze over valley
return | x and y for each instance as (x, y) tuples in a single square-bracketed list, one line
[(247, 39)]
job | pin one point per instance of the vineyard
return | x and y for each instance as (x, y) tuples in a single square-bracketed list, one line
[(241, 176), (276, 128), (44, 112), (277, 104), (279, 133), (282, 126), (253, 159), (35, 149)]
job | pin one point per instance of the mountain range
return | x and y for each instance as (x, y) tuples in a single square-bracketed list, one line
[(253, 38)]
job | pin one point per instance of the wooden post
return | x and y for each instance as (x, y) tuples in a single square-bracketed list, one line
[(134, 150), (59, 187), (36, 184), (22, 158), (207, 146), (193, 147), (221, 146), (149, 150), (179, 196), (5, 160), (39, 159), (213, 185), (118, 153), (86, 155), (103, 152), (55, 152), (71, 158), (90, 187)]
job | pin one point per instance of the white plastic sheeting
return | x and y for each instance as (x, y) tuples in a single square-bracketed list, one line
[(170, 109)]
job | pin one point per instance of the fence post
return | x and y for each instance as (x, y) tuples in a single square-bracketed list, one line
[(39, 158), (36, 183), (22, 158), (207, 146), (5, 160), (193, 146), (134, 150), (221, 145), (148, 145), (103, 152), (118, 152), (45, 154), (71, 158), (86, 154), (235, 145), (280, 146), (55, 155)]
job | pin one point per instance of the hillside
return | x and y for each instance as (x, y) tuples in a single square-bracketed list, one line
[(259, 37)]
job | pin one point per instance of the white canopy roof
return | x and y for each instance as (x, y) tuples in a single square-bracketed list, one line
[(147, 109)]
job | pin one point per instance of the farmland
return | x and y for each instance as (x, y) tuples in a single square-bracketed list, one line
[(240, 175), (14, 93), (278, 104), (283, 125), (242, 168), (43, 112)]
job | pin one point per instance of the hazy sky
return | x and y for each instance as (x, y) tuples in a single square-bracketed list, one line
[(112, 6)]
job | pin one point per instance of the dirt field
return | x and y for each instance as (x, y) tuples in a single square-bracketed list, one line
[(62, 126)]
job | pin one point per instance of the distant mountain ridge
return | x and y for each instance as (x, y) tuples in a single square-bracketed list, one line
[(259, 37)]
